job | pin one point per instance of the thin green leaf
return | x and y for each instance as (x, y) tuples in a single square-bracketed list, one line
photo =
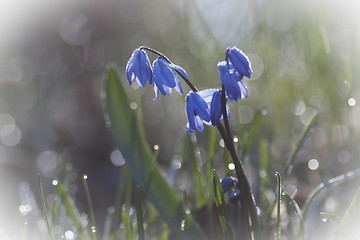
[(50, 228), (165, 232), (221, 206), (72, 211), (349, 225), (324, 186), (91, 207), (278, 214), (108, 222), (139, 213), (298, 146), (294, 204), (54, 213), (194, 156), (254, 128), (130, 139)]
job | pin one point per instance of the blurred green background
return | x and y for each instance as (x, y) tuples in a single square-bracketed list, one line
[(54, 58)]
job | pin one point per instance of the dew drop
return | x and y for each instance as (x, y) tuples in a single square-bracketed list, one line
[(231, 166)]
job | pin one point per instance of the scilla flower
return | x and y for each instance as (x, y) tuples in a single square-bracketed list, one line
[(234, 87), (165, 78), (139, 68), (227, 183), (198, 111), (240, 61)]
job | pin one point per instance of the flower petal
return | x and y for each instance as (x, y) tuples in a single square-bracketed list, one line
[(179, 70), (216, 108), (240, 61)]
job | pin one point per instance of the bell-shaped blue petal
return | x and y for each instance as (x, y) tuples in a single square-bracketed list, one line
[(234, 87), (227, 183), (197, 111), (165, 78), (216, 108), (240, 61), (139, 68), (234, 195)]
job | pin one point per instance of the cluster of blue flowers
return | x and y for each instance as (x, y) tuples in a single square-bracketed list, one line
[(200, 106)]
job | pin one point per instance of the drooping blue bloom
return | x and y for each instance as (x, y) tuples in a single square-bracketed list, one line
[(240, 61), (227, 183), (139, 68), (198, 111), (234, 87), (165, 78), (234, 195)]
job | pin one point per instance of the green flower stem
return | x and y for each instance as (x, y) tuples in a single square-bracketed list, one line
[(247, 198)]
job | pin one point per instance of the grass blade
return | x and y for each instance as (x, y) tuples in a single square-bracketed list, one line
[(321, 188), (195, 158), (139, 213), (222, 211), (254, 128), (349, 225), (108, 222), (72, 211), (50, 228), (298, 146), (294, 204), (278, 216), (131, 141), (91, 207)]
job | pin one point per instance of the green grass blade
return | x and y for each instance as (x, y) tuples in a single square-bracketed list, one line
[(91, 207), (298, 146), (221, 206), (328, 216), (139, 213), (54, 213), (108, 223), (254, 128), (349, 225), (324, 186), (130, 139), (72, 211), (195, 158), (293, 203), (278, 204), (165, 232), (50, 228)]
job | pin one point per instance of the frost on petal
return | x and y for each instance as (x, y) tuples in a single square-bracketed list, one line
[(179, 70), (166, 73), (207, 94), (199, 124), (240, 61), (243, 89), (200, 106)]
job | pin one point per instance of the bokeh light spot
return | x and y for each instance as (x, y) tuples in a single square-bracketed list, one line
[(231, 166), (69, 235), (313, 164), (352, 102), (116, 158), (74, 30)]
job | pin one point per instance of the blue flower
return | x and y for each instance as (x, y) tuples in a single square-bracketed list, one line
[(198, 111), (234, 195), (227, 183), (139, 68), (165, 78), (240, 61), (234, 87)]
